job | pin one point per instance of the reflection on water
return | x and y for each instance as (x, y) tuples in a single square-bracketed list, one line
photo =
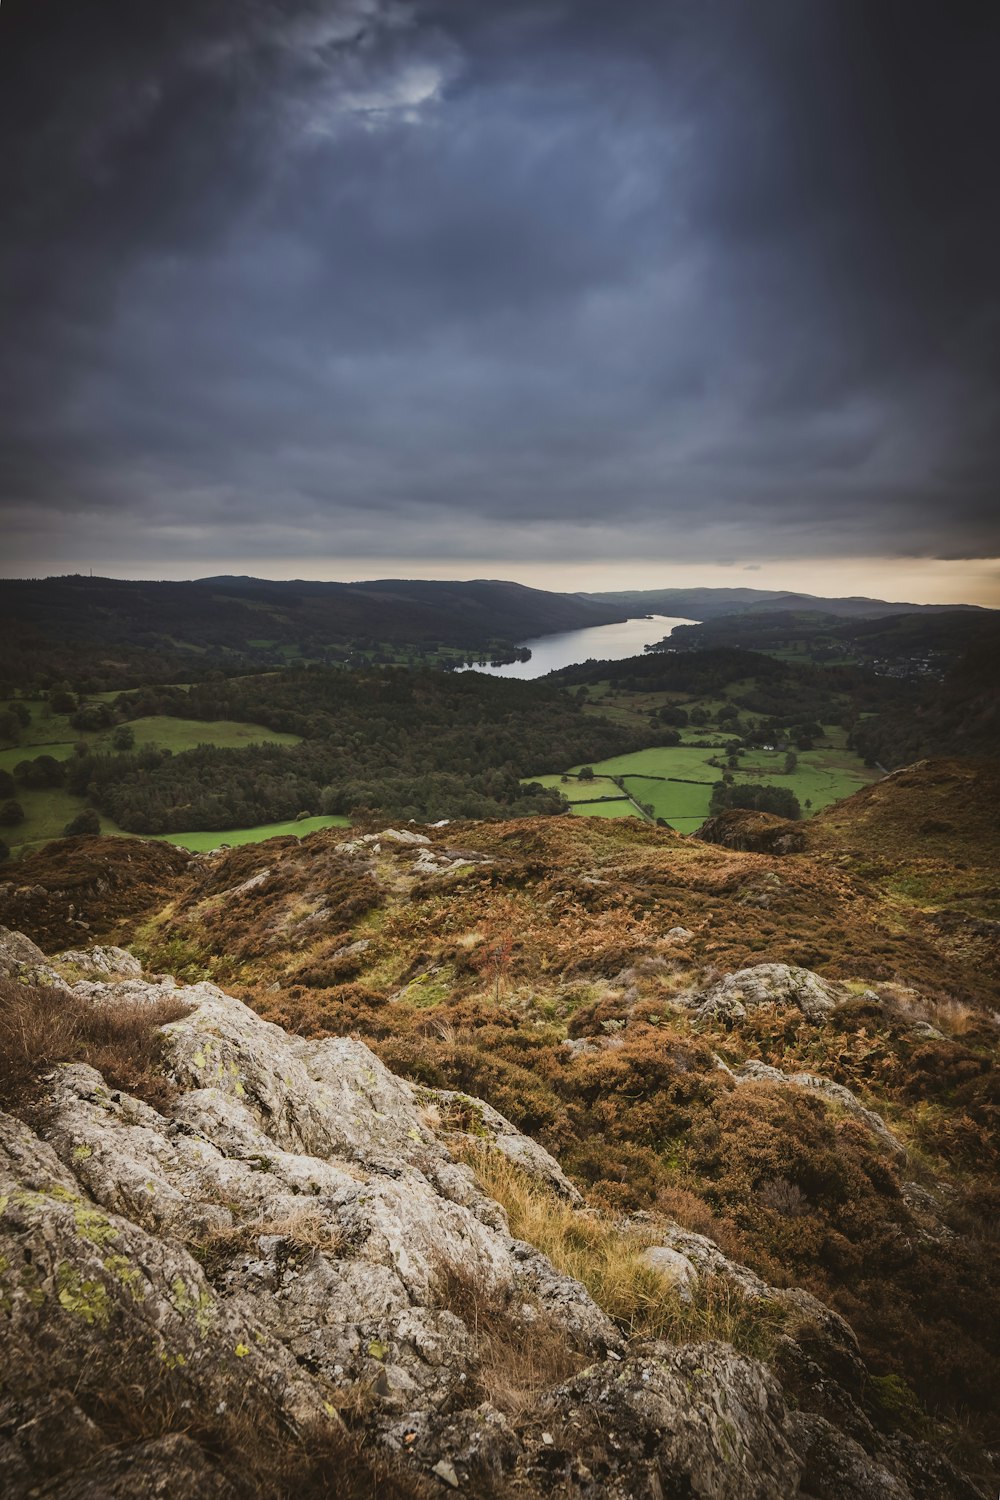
[(597, 643)]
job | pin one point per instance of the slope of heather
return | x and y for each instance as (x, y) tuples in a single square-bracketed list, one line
[(241, 1265), (930, 831), (789, 1053)]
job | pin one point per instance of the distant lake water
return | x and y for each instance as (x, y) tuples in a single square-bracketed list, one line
[(596, 643)]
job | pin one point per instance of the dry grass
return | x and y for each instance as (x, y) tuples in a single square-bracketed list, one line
[(305, 1229), (518, 1355), (949, 1014), (609, 1262), (246, 1439), (42, 1027)]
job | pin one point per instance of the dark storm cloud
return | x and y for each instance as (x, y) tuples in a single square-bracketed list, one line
[(703, 279)]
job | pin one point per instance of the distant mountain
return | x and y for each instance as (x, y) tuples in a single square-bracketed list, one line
[(709, 604), (488, 608), (63, 627)]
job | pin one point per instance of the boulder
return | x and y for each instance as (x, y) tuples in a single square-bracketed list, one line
[(766, 984)]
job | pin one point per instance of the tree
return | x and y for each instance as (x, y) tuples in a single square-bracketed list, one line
[(586, 773), (4, 851), (61, 701), (494, 962), (123, 737), (791, 761), (11, 813), (7, 787), (671, 713), (84, 822), (10, 728), (42, 772)]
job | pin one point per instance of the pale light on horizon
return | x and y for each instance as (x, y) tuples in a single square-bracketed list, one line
[(902, 580)]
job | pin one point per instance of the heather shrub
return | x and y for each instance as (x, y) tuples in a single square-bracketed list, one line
[(42, 1027)]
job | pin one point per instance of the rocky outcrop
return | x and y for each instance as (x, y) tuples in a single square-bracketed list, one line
[(290, 1244), (478, 1121), (731, 998), (753, 832)]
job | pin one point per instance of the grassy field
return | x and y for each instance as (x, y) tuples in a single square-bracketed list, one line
[(202, 840), (684, 807), (186, 734), (55, 736), (580, 791), (46, 814), (622, 808)]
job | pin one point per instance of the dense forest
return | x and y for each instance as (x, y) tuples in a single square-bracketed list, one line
[(411, 744)]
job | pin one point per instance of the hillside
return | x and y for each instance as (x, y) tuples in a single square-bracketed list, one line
[(709, 604), (122, 633), (889, 639), (778, 1069)]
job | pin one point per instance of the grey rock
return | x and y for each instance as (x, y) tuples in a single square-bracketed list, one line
[(103, 963), (766, 984), (674, 1267), (294, 1228), (517, 1147)]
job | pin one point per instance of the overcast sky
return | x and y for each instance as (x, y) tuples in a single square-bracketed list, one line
[(564, 289)]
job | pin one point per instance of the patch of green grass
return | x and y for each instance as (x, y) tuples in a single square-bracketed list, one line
[(202, 839), (186, 734), (623, 808), (46, 814), (52, 734), (661, 760), (672, 800), (580, 791)]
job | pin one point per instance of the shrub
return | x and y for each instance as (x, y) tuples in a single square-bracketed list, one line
[(41, 1027), (519, 1352), (42, 772), (87, 821), (11, 813)]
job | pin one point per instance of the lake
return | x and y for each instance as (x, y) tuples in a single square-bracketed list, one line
[(596, 643)]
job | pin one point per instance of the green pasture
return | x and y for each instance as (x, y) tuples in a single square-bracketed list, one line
[(55, 736), (580, 791), (661, 760), (621, 808), (48, 810), (675, 801), (201, 840), (46, 814), (663, 776), (186, 734)]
